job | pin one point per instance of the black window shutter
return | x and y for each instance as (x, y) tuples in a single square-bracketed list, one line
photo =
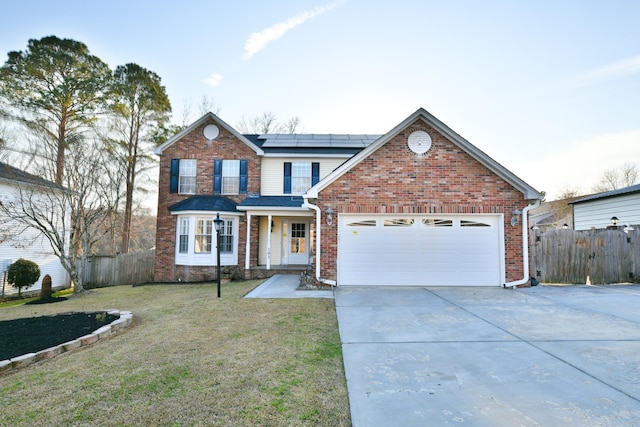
[(175, 173), (315, 173), (244, 175), (287, 178), (217, 176)]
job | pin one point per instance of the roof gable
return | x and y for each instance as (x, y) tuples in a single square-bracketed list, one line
[(206, 118), (421, 114)]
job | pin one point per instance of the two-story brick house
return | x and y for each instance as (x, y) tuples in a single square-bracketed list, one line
[(418, 205)]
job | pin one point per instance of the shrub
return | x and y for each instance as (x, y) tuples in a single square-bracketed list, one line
[(22, 274)]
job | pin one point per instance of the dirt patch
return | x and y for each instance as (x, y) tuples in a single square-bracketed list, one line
[(32, 334)]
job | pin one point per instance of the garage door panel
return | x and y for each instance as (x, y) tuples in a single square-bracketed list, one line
[(414, 251)]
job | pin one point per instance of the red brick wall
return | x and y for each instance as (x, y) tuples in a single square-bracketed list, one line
[(195, 146), (445, 180)]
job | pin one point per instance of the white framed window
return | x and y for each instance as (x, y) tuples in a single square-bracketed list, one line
[(183, 237), (187, 176), (230, 176), (300, 177), (204, 228), (196, 240)]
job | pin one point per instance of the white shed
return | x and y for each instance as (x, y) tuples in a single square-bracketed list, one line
[(617, 207), (29, 244)]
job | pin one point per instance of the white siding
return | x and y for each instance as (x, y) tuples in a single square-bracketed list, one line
[(32, 246), (598, 213), (272, 179)]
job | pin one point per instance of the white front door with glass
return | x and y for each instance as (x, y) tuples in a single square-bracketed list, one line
[(298, 243)]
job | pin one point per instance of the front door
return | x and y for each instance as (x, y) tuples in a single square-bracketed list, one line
[(299, 243)]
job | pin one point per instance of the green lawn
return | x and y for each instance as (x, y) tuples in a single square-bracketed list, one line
[(189, 359)]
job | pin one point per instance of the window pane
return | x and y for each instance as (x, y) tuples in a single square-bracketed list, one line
[(203, 235), (184, 236), (363, 223), (187, 176), (226, 237), (466, 223), (230, 185), (300, 177), (230, 176), (398, 222), (436, 222)]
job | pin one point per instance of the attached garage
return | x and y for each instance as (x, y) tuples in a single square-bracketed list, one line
[(420, 250)]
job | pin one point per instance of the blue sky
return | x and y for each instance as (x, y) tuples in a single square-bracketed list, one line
[(550, 89)]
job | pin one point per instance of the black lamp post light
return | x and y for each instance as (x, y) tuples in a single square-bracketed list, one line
[(218, 224)]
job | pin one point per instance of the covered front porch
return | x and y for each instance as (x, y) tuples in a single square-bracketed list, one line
[(284, 241)]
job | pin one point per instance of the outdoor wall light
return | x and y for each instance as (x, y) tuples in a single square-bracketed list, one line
[(614, 221), (565, 226), (329, 216), (515, 217)]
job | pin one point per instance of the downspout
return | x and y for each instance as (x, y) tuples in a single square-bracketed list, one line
[(525, 246), (318, 245)]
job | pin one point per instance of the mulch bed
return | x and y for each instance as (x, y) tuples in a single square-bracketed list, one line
[(32, 334)]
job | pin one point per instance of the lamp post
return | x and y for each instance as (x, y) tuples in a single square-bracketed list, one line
[(218, 224)]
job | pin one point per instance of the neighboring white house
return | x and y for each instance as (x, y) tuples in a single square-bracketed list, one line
[(28, 244), (619, 207)]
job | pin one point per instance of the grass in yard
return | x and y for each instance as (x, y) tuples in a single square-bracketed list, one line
[(188, 359)]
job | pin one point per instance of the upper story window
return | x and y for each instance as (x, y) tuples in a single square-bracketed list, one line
[(230, 176), (300, 176), (183, 176), (187, 180)]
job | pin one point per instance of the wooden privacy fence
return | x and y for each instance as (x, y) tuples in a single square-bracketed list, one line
[(569, 256), (122, 269)]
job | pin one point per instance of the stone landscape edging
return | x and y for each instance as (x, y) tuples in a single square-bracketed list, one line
[(125, 319)]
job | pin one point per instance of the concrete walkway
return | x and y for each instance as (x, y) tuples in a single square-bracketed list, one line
[(285, 286), (542, 356)]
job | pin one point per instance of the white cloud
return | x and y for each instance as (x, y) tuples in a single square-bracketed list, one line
[(213, 80), (616, 69), (258, 41)]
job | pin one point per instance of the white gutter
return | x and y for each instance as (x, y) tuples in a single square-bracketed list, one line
[(525, 246), (318, 240)]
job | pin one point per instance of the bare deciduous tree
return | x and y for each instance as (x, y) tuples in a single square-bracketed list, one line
[(268, 123), (69, 220), (612, 179)]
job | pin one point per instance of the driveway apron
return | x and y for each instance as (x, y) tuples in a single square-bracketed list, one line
[(542, 356)]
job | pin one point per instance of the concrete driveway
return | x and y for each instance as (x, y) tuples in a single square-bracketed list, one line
[(542, 356)]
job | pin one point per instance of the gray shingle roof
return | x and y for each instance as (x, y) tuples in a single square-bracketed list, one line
[(14, 174), (257, 201), (315, 140), (612, 193), (341, 144), (205, 204)]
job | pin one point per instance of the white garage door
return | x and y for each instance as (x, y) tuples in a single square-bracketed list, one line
[(420, 250)]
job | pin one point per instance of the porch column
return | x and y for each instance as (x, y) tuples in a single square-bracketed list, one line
[(247, 258), (269, 219)]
